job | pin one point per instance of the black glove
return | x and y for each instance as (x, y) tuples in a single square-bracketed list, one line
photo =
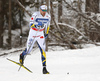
[(45, 35)]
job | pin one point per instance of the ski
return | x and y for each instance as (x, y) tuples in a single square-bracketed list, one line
[(20, 65)]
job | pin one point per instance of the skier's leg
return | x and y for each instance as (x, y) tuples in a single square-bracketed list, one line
[(30, 42), (41, 44), (42, 50)]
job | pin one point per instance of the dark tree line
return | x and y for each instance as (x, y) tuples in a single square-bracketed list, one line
[(12, 14), (1, 23), (11, 18), (92, 6)]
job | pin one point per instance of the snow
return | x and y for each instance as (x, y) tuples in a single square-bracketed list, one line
[(66, 65)]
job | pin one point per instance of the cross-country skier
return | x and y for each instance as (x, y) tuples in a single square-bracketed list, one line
[(39, 27)]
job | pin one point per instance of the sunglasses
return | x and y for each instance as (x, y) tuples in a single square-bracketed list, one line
[(44, 10)]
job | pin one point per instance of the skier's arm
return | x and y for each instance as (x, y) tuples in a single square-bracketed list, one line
[(47, 28), (32, 19)]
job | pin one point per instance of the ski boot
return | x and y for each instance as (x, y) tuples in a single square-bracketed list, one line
[(21, 58), (45, 71)]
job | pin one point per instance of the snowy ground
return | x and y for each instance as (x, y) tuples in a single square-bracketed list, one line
[(68, 65)]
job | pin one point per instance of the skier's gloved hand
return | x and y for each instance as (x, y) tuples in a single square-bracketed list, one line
[(40, 24), (45, 35)]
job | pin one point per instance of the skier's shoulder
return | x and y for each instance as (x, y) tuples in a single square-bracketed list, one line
[(48, 14)]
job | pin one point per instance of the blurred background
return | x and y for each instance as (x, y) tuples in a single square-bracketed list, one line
[(73, 22)]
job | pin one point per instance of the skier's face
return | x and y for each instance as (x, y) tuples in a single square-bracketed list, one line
[(43, 12)]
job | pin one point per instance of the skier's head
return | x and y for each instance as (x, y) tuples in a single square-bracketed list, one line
[(43, 10)]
